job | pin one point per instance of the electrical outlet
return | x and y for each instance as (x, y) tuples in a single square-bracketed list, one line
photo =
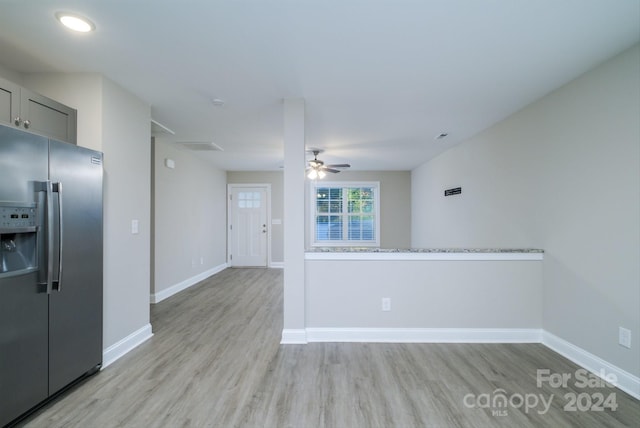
[(624, 337), (193, 263), (386, 304), (201, 260)]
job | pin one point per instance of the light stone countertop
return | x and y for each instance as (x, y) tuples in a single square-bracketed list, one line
[(420, 250), (425, 254)]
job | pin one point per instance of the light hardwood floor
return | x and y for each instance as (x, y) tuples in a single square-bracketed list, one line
[(215, 361)]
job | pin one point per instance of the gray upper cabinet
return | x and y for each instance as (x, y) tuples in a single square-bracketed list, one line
[(36, 113)]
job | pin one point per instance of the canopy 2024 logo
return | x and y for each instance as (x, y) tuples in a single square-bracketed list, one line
[(499, 402), (581, 378)]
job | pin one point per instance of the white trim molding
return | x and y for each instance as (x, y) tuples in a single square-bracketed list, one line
[(122, 347), (277, 265), (424, 335), (596, 365), (294, 337), (168, 292)]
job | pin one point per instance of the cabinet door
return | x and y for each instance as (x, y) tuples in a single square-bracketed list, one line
[(44, 116), (9, 102)]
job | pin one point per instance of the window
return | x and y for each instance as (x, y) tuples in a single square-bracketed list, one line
[(345, 214)]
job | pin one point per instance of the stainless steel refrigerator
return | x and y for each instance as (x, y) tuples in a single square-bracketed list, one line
[(50, 268)]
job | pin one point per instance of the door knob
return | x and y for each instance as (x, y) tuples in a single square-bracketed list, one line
[(17, 121)]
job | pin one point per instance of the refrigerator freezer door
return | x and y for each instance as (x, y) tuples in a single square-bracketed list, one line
[(75, 314), (23, 346), (23, 161), (23, 304)]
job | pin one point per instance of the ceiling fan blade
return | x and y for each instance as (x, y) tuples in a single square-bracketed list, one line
[(330, 170), (340, 165)]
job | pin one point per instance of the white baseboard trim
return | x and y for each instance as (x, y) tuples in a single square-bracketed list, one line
[(424, 335), (277, 265), (120, 348), (294, 337), (625, 380), (168, 292)]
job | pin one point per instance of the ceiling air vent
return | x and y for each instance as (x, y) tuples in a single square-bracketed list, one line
[(201, 146)]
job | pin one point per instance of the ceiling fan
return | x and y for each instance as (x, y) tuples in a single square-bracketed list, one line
[(317, 168)]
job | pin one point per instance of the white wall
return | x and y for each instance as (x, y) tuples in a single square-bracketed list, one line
[(115, 122), (276, 179), (190, 217), (563, 174)]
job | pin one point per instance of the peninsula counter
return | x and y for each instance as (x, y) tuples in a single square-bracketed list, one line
[(423, 295)]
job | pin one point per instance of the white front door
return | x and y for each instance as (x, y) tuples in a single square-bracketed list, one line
[(248, 227)]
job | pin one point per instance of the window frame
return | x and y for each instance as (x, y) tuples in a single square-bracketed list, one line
[(315, 184)]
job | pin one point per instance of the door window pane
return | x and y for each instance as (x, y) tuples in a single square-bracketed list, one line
[(249, 199)]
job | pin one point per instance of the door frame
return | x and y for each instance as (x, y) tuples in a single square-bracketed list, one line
[(230, 188)]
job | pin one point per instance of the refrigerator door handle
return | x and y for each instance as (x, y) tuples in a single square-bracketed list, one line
[(47, 188), (57, 281)]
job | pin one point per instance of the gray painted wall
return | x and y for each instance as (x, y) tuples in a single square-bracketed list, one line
[(563, 174), (11, 75), (395, 204), (189, 216), (424, 294)]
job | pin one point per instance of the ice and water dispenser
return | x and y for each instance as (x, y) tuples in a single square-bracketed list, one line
[(18, 238)]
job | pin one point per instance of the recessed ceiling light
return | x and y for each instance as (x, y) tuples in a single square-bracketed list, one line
[(75, 22)]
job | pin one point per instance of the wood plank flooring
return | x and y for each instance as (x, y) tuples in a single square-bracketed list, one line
[(215, 361)]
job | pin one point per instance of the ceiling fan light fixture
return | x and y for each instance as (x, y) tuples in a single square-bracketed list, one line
[(318, 169), (75, 22)]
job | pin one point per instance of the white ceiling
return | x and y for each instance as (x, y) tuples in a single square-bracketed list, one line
[(380, 78)]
